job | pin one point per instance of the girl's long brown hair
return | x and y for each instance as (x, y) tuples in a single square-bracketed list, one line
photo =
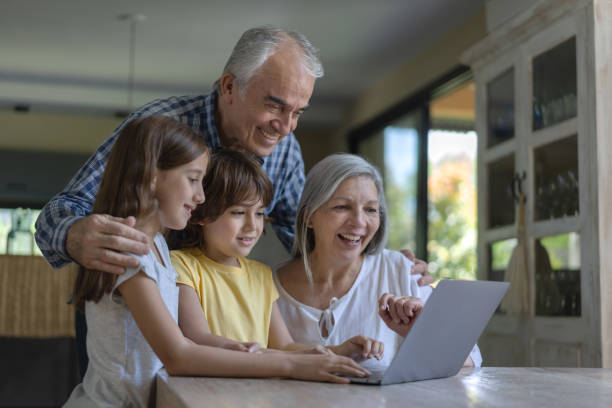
[(233, 177), (144, 145)]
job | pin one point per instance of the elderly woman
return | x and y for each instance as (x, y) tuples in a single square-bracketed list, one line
[(341, 281)]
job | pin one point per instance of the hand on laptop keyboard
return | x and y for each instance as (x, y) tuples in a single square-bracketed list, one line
[(360, 348)]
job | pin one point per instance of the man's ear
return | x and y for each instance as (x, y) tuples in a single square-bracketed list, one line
[(228, 87)]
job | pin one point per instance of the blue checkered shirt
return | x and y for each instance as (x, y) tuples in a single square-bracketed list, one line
[(285, 167)]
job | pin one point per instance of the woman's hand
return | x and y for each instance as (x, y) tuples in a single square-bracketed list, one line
[(399, 312), (246, 346), (360, 348), (324, 368)]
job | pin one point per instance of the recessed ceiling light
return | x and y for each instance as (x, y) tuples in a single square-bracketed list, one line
[(136, 17)]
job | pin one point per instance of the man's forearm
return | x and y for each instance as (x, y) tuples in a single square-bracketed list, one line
[(63, 210), (51, 239), (53, 223)]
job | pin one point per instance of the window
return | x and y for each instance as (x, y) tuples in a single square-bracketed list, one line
[(17, 231), (426, 150)]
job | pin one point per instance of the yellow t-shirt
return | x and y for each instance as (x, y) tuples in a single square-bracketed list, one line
[(237, 301)]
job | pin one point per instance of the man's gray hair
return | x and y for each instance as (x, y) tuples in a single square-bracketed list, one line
[(322, 182), (256, 45)]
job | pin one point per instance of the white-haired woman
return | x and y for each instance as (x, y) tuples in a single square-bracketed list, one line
[(341, 282)]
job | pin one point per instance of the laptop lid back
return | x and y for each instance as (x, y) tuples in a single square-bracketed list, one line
[(445, 332)]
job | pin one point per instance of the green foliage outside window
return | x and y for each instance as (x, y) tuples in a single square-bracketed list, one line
[(452, 218)]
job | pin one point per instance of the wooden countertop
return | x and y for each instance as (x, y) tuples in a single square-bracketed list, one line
[(472, 387)]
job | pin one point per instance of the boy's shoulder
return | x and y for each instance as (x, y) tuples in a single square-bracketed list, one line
[(187, 255), (253, 265)]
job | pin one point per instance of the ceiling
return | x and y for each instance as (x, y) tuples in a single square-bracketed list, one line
[(73, 55)]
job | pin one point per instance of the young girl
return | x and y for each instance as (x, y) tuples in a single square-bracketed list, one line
[(220, 290), (154, 173)]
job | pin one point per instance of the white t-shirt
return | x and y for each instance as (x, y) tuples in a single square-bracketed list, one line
[(357, 311), (122, 365)]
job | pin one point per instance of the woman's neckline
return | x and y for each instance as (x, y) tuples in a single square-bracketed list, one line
[(355, 281)]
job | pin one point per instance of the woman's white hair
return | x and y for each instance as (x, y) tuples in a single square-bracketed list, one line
[(322, 182), (256, 45)]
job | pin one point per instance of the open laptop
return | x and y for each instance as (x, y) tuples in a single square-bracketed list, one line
[(444, 333)]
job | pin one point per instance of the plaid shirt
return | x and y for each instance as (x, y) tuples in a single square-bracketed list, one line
[(285, 167)]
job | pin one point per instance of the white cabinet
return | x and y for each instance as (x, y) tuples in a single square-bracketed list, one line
[(543, 118)]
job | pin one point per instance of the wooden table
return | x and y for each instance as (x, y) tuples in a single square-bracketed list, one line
[(480, 387)]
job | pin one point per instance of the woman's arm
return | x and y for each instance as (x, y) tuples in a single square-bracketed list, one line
[(180, 356), (192, 322)]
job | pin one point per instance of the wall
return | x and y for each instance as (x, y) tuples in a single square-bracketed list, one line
[(58, 132), (40, 152), (501, 11)]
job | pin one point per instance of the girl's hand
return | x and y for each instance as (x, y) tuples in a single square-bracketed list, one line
[(246, 346), (399, 312), (360, 348), (324, 368)]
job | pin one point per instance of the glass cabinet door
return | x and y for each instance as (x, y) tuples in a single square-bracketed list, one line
[(557, 275), (500, 108), (554, 85), (500, 253), (556, 179), (500, 201)]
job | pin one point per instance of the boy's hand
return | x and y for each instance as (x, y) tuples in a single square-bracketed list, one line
[(318, 349), (360, 348), (399, 312)]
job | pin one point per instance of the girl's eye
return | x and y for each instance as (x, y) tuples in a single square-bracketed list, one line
[(341, 207), (193, 180)]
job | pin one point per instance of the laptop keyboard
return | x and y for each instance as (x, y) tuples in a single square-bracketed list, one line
[(374, 378)]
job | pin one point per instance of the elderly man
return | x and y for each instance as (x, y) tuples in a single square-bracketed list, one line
[(265, 86)]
